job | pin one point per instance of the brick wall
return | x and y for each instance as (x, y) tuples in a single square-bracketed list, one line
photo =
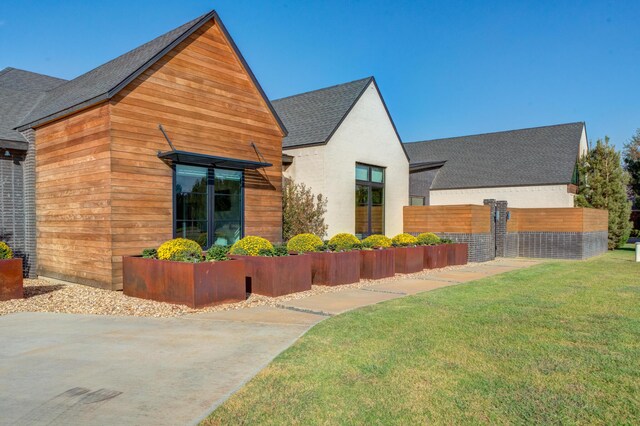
[(12, 207), (30, 262)]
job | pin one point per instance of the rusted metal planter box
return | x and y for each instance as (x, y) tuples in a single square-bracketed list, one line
[(409, 259), (277, 276), (457, 254), (435, 256), (377, 264), (335, 268), (11, 279), (193, 284)]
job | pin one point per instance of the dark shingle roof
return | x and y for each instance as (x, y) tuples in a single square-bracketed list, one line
[(19, 91), (98, 82), (536, 156), (312, 117), (108, 79)]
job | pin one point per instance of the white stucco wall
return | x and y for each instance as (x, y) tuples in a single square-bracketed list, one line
[(365, 136), (516, 196)]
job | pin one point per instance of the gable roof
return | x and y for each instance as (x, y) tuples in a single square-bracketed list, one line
[(19, 91), (108, 79), (313, 117), (535, 156)]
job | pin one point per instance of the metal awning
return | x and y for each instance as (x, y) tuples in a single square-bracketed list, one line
[(195, 159)]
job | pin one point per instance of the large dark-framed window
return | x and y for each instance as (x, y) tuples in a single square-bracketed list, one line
[(369, 200), (208, 204)]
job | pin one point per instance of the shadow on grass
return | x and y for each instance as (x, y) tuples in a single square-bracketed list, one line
[(38, 290)]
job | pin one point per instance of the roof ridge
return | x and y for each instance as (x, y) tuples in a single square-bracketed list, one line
[(6, 70), (9, 69), (495, 133), (370, 78), (193, 21)]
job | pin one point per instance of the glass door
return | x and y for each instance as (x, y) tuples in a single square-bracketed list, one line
[(369, 200), (209, 205)]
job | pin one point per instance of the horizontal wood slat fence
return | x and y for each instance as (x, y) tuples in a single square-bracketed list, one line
[(565, 233), (557, 220)]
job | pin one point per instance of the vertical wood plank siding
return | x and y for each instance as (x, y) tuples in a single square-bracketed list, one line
[(101, 190), (73, 191)]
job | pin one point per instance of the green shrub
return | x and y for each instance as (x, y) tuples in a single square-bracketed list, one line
[(5, 251), (428, 239), (343, 241), (251, 246), (217, 253), (278, 250), (302, 211), (303, 243), (446, 241), (404, 240), (150, 253), (181, 250), (377, 240)]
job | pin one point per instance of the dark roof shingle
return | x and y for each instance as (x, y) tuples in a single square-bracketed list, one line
[(19, 91), (535, 156), (312, 117), (101, 80)]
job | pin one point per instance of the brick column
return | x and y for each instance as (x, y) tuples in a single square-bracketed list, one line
[(501, 228), (492, 241)]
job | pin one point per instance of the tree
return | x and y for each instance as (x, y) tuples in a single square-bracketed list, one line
[(632, 165), (603, 186), (302, 211)]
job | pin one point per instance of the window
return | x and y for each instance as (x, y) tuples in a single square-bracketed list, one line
[(208, 205), (369, 200), (416, 201)]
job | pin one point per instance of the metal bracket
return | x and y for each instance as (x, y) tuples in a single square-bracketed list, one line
[(166, 137)]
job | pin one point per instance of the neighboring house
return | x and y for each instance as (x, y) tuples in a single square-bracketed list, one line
[(93, 177), (533, 167), (19, 92), (343, 144)]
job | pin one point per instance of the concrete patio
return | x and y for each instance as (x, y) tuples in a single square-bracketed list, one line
[(63, 369)]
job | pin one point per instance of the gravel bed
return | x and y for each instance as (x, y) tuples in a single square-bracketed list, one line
[(45, 296)]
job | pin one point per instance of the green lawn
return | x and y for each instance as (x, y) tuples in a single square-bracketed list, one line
[(555, 343)]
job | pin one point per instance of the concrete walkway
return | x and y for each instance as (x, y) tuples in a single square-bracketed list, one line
[(63, 369)]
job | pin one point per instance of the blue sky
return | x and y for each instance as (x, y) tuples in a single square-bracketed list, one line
[(445, 68)]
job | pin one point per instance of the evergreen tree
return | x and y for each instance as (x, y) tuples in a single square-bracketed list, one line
[(603, 185), (632, 164)]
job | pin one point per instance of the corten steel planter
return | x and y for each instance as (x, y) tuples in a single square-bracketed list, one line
[(277, 276), (335, 268), (377, 264), (457, 254), (193, 284), (11, 279), (435, 256), (409, 259)]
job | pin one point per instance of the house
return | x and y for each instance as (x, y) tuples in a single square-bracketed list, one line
[(174, 138), (533, 167), (343, 144)]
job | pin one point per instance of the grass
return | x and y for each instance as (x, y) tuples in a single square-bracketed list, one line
[(554, 343)]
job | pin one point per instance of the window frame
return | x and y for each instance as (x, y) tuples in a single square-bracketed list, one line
[(210, 200), (370, 184), (422, 197)]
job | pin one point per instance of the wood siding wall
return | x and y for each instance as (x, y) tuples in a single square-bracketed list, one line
[(73, 198), (101, 190), (464, 219), (208, 104), (557, 220)]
